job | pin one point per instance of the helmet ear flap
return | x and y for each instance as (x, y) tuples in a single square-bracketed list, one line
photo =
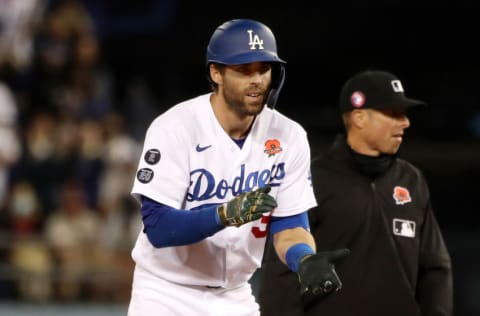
[(278, 79)]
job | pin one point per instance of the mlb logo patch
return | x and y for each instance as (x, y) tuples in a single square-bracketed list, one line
[(404, 228)]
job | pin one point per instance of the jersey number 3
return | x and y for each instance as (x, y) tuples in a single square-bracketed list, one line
[(261, 230)]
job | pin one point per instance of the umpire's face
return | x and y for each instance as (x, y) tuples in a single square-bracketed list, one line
[(381, 130)]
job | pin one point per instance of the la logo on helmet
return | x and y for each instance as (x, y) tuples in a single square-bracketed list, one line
[(254, 40)]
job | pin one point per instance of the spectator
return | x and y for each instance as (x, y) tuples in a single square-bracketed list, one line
[(10, 149), (71, 231)]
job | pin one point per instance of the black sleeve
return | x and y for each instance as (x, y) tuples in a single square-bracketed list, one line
[(435, 284)]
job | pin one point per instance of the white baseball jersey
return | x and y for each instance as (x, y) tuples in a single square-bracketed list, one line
[(188, 160)]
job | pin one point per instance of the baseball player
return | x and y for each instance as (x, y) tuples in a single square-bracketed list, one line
[(220, 173)]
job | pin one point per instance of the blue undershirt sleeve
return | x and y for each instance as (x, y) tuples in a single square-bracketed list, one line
[(166, 226), (278, 224)]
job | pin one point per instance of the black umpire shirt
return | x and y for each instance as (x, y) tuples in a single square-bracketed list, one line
[(398, 265)]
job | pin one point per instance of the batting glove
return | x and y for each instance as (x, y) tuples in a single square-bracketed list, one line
[(246, 207), (317, 273)]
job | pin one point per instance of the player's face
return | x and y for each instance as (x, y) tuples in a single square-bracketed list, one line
[(244, 87), (384, 130)]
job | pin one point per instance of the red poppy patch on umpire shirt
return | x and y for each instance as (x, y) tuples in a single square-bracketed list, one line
[(401, 195)]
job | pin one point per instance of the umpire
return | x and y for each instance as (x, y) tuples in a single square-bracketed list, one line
[(378, 206)]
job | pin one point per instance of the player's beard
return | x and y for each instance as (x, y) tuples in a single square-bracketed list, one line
[(236, 102)]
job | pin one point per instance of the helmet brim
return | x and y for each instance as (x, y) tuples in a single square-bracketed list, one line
[(247, 57)]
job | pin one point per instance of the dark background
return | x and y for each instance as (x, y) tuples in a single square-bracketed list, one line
[(432, 46)]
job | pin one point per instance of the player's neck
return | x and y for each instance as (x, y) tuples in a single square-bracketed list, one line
[(238, 129), (235, 125)]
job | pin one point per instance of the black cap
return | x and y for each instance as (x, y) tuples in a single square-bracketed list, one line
[(375, 90)]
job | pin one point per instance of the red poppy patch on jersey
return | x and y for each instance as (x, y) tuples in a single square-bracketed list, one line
[(401, 195), (272, 147), (357, 99)]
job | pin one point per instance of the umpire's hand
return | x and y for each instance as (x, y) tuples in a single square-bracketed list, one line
[(317, 273)]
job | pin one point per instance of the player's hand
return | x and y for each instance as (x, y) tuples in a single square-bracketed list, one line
[(317, 273), (246, 207)]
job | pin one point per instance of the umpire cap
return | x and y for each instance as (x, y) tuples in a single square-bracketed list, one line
[(376, 90)]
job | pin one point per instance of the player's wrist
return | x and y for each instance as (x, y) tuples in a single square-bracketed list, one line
[(296, 254), (224, 217), (220, 217)]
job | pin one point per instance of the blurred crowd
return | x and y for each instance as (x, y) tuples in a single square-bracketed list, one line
[(68, 155)]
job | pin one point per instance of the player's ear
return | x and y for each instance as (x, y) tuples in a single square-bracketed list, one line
[(215, 73)]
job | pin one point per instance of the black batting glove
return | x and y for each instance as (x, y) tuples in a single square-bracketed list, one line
[(246, 207), (317, 273)]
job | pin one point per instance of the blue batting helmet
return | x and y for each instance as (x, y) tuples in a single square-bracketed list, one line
[(243, 41)]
